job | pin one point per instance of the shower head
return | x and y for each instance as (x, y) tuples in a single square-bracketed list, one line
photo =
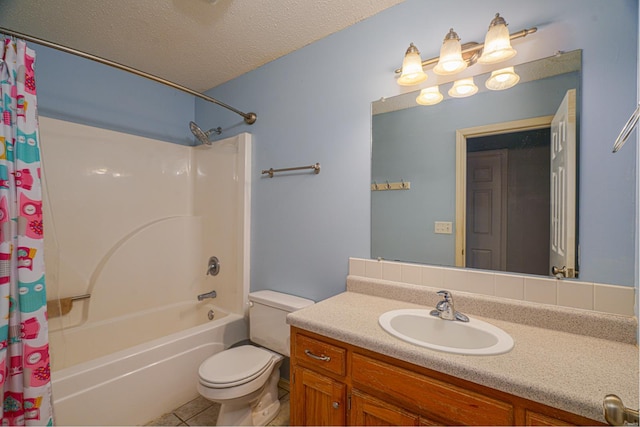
[(203, 136)]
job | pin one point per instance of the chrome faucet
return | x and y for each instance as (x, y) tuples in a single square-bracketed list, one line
[(211, 294), (446, 310)]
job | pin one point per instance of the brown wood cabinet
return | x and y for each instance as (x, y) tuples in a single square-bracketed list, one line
[(320, 400), (335, 383)]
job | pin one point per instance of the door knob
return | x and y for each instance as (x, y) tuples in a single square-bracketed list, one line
[(559, 271), (335, 405), (564, 271)]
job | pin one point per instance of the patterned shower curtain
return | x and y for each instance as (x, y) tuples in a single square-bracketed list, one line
[(24, 342)]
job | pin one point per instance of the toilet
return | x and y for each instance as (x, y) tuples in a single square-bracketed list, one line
[(244, 379)]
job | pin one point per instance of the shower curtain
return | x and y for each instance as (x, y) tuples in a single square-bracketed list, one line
[(24, 343)]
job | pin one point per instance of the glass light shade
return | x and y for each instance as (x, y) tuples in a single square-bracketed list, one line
[(412, 72), (463, 88), (497, 44), (450, 61), (502, 79), (429, 96)]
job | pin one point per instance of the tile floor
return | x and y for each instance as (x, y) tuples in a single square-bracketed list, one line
[(202, 412)]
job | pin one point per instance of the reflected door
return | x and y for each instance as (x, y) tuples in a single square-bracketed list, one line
[(487, 210), (562, 259)]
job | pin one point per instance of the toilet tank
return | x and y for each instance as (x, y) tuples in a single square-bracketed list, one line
[(267, 318)]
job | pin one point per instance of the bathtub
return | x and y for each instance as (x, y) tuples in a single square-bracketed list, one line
[(134, 385)]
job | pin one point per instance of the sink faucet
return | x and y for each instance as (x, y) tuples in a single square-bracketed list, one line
[(211, 294), (445, 309)]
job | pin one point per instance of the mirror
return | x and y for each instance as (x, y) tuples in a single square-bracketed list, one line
[(415, 211)]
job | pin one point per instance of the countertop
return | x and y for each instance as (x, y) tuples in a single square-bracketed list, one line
[(566, 370)]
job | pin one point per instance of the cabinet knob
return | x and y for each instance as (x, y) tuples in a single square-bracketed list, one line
[(616, 414), (335, 405)]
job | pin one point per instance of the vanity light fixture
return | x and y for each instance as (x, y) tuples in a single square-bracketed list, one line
[(430, 96), (450, 61), (497, 43), (496, 48), (504, 78), (412, 72), (463, 88)]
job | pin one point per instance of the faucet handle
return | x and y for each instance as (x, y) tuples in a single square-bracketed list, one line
[(445, 294)]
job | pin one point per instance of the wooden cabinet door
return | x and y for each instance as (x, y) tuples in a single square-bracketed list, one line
[(368, 411), (538, 419), (317, 400)]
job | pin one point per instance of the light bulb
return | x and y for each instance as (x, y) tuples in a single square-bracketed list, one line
[(504, 78), (429, 96), (412, 72), (497, 43), (450, 61), (463, 88)]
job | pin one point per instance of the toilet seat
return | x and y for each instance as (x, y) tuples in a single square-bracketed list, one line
[(235, 366)]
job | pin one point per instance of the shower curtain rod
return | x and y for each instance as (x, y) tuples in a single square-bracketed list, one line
[(249, 118)]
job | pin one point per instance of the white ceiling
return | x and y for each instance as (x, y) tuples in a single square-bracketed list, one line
[(195, 43)]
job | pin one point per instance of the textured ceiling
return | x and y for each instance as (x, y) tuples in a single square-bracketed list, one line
[(196, 43)]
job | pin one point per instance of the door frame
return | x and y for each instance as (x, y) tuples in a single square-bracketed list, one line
[(461, 169)]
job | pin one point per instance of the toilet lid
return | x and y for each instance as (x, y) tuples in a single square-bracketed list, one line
[(234, 366)]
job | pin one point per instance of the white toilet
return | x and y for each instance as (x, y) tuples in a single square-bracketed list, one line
[(244, 379)]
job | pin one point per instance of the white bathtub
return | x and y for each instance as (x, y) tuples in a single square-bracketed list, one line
[(137, 384)]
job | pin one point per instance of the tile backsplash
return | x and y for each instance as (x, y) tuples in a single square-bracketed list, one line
[(567, 293)]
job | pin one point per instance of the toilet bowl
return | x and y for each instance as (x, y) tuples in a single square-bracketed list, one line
[(244, 379)]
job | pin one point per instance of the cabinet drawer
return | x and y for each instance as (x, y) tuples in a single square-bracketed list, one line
[(319, 354), (431, 397), (533, 418)]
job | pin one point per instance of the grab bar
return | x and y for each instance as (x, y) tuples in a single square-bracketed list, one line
[(62, 306), (271, 171), (627, 129)]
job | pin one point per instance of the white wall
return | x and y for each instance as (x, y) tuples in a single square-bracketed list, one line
[(132, 221)]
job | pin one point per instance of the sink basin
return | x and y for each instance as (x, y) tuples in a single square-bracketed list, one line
[(418, 327)]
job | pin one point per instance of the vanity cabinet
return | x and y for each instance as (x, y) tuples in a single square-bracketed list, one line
[(335, 383), (319, 389), (367, 410), (320, 400)]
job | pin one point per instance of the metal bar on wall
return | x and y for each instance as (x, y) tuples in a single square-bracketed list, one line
[(249, 118)]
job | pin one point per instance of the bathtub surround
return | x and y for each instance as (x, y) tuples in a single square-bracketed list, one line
[(182, 206), (558, 292), (133, 222)]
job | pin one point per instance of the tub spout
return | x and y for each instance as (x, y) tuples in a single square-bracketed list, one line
[(211, 294)]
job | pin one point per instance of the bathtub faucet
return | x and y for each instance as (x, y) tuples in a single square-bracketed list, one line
[(211, 294)]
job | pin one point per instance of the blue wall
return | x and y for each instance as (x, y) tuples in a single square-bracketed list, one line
[(314, 106), (86, 92)]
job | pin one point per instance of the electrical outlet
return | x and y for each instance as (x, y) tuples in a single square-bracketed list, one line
[(443, 227)]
